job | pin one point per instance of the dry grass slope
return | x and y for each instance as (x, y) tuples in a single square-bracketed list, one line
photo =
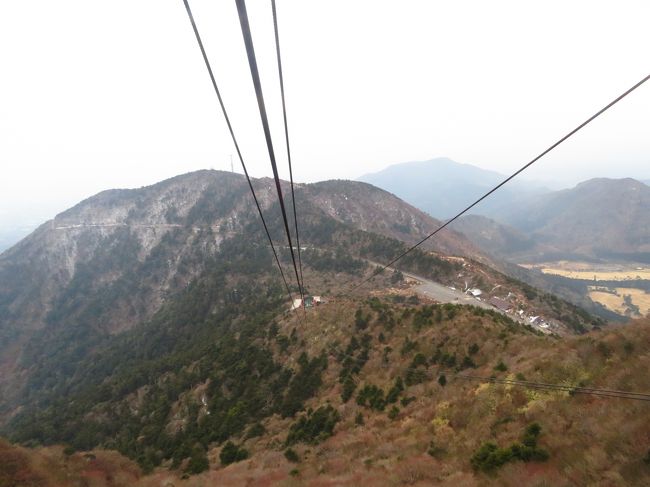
[(430, 440)]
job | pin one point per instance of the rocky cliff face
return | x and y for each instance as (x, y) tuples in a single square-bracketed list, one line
[(99, 240)]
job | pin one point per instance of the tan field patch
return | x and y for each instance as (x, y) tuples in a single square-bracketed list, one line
[(621, 275), (610, 301), (589, 271), (616, 302)]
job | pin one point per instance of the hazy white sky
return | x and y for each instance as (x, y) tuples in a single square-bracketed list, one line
[(100, 94)]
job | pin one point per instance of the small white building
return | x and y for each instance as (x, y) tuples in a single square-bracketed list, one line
[(476, 292), (309, 302)]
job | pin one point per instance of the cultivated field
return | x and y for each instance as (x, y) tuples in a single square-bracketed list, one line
[(615, 300), (589, 271)]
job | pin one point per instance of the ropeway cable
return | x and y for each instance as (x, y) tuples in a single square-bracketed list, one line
[(286, 136), (234, 139), (252, 63)]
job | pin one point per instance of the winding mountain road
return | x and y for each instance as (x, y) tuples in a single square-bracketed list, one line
[(444, 294)]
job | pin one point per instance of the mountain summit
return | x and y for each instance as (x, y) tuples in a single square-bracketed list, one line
[(114, 260), (443, 187)]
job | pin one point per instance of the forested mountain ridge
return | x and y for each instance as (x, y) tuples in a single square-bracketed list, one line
[(113, 260), (372, 209), (154, 322), (134, 226), (494, 237), (599, 218), (106, 264)]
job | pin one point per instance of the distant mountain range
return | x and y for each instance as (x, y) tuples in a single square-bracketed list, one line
[(606, 219), (600, 218), (442, 187)]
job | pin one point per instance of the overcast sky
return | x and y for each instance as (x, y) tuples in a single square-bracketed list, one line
[(102, 94)]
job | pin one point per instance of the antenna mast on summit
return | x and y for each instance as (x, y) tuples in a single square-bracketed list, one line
[(232, 169)]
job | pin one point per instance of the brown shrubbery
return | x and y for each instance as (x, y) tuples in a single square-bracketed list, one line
[(467, 433)]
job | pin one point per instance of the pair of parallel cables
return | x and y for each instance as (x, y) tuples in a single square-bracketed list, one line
[(250, 51), (638, 396)]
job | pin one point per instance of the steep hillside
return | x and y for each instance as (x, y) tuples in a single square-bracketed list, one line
[(57, 467), (600, 218), (442, 187), (153, 321), (109, 263), (369, 208), (124, 251), (495, 238), (114, 260), (96, 243), (388, 406)]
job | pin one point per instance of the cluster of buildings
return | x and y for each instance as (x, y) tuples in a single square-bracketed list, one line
[(507, 307)]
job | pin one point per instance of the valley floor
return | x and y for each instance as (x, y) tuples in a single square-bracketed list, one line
[(594, 271), (621, 299)]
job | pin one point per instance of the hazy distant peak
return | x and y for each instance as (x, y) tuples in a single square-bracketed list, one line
[(442, 187), (437, 167), (611, 183)]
